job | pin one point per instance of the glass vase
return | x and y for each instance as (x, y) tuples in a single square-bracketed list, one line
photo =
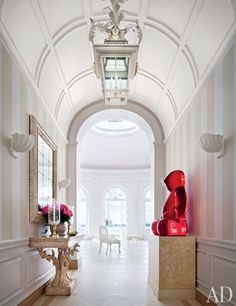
[(53, 215)]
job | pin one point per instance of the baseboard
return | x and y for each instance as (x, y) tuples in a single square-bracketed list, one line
[(34, 296), (202, 299)]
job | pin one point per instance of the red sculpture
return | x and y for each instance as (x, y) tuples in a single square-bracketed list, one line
[(173, 219)]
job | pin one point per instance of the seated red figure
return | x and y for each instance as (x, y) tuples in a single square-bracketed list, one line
[(173, 219)]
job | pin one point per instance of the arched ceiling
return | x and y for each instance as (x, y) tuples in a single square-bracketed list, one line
[(115, 139), (183, 39)]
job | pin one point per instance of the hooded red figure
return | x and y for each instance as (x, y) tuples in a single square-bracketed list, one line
[(173, 219)]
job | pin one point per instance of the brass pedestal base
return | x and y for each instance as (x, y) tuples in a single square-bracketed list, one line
[(61, 290)]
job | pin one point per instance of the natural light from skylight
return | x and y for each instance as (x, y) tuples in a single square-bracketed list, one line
[(113, 127)]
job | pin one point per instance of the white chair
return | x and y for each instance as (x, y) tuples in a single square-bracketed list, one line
[(106, 238)]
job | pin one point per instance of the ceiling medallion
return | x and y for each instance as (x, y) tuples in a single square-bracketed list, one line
[(115, 61)]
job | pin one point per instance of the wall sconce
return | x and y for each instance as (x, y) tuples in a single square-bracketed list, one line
[(21, 143), (212, 143), (63, 184)]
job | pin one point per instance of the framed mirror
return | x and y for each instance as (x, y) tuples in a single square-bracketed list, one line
[(42, 172)]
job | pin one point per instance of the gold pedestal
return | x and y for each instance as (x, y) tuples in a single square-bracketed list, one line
[(172, 267)]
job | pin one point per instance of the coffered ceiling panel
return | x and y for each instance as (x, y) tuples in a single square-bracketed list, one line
[(146, 91), (174, 14), (182, 39), (65, 113), (181, 91), (74, 53), (85, 91), (167, 115), (65, 13), (49, 79), (157, 58), (20, 22), (211, 27)]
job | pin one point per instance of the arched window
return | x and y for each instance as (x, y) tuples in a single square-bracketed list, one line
[(148, 209), (115, 208), (82, 213)]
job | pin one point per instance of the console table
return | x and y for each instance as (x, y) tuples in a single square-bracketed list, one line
[(66, 246)]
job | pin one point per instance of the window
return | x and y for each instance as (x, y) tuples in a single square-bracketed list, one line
[(148, 209), (82, 213), (115, 209)]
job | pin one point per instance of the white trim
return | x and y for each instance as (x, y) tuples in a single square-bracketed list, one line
[(234, 141), (218, 163), (224, 47), (15, 163), (1, 148), (18, 60), (14, 243)]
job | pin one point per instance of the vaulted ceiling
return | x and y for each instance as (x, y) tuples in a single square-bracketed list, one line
[(183, 39)]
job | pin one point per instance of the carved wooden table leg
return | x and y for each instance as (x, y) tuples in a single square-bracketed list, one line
[(62, 284)]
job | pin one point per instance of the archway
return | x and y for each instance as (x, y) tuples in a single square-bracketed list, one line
[(149, 123)]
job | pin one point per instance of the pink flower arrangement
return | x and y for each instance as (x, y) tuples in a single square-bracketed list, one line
[(65, 212)]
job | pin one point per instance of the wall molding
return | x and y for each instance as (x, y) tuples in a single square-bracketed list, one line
[(221, 266), (17, 263)]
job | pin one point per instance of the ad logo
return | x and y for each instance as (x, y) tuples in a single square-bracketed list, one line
[(226, 295)]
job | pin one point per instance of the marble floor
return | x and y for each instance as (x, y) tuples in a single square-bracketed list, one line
[(112, 280)]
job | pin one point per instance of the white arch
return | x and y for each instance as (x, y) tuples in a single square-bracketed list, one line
[(137, 108), (158, 149)]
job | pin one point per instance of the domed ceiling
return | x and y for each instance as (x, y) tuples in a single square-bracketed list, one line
[(182, 41)]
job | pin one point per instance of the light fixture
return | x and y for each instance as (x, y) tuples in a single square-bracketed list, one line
[(115, 61), (212, 143), (63, 184), (21, 143)]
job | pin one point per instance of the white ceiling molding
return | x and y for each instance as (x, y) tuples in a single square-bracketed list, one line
[(163, 29), (58, 104), (182, 41), (80, 76), (42, 59), (2, 2), (221, 51), (46, 33), (17, 58), (68, 29), (192, 63), (173, 103), (73, 82), (171, 30), (233, 3), (154, 79), (151, 77)]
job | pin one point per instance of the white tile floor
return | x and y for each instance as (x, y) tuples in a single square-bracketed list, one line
[(112, 280)]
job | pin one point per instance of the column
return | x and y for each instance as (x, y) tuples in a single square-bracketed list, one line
[(72, 166), (158, 172)]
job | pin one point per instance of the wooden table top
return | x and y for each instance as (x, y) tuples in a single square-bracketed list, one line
[(55, 242)]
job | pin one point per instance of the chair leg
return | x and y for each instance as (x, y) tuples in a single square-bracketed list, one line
[(119, 247), (110, 248), (100, 247), (107, 247)]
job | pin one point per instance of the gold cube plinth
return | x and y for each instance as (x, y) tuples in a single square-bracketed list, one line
[(172, 267)]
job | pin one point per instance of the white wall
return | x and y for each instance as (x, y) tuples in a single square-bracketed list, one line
[(19, 265), (133, 182), (210, 181)]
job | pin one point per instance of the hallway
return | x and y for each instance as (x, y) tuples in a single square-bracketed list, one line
[(112, 280)]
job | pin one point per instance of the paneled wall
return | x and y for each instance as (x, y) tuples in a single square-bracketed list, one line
[(211, 181), (20, 267)]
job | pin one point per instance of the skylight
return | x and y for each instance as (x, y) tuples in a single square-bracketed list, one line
[(111, 127)]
